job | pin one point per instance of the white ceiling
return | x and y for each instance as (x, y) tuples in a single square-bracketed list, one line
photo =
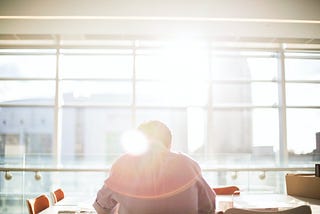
[(263, 19)]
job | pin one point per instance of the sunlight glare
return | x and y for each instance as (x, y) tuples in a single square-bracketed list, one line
[(183, 60), (134, 142)]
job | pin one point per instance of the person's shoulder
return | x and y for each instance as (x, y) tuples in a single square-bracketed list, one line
[(123, 160), (183, 157)]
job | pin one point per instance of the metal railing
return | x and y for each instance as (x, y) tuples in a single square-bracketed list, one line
[(37, 170), (64, 169)]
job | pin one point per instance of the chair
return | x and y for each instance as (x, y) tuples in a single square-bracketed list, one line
[(227, 190), (57, 195), (303, 209), (38, 204)]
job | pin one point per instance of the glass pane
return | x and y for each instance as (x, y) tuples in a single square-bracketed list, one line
[(171, 93), (242, 68), (92, 135), (197, 126), (230, 68), (245, 94), (231, 132), (302, 126), (303, 94), (27, 92), (96, 66), (25, 131), (176, 120), (173, 66), (245, 136), (264, 93), (265, 131), (97, 92), (28, 66), (263, 68), (302, 69), (23, 186)]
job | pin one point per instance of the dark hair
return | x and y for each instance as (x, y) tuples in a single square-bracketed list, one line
[(156, 130)]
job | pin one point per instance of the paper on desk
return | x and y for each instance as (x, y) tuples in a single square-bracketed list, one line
[(76, 212), (67, 212)]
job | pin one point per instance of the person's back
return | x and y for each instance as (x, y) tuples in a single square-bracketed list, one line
[(158, 181)]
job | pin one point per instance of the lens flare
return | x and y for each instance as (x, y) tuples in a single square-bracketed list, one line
[(134, 142)]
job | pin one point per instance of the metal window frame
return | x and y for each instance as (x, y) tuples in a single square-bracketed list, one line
[(280, 54)]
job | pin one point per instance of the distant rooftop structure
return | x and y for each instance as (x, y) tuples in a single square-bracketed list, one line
[(318, 142), (262, 150)]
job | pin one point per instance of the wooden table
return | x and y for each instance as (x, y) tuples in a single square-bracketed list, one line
[(244, 200), (265, 201)]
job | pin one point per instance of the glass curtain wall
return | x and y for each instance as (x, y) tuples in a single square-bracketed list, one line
[(222, 105), (303, 113)]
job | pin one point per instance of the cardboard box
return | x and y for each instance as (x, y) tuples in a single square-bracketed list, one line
[(303, 185)]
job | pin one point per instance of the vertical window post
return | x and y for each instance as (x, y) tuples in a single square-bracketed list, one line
[(283, 150), (133, 103), (57, 111)]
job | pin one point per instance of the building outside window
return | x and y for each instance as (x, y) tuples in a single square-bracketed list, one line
[(69, 106)]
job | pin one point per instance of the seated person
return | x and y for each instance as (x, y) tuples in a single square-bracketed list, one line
[(156, 182)]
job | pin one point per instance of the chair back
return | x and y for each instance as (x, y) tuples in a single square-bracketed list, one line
[(227, 190), (57, 195), (36, 205), (303, 209)]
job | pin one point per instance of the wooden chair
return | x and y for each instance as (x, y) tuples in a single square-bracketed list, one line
[(38, 204), (227, 190), (303, 209), (57, 195)]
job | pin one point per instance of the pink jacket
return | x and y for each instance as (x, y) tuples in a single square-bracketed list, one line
[(156, 183)]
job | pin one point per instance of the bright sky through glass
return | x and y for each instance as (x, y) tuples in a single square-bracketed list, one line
[(182, 72)]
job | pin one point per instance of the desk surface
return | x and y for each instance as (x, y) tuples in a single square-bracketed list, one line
[(68, 209), (244, 200), (268, 201), (71, 206)]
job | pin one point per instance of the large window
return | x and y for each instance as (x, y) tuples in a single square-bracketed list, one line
[(303, 112), (231, 107), (80, 99), (27, 94)]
